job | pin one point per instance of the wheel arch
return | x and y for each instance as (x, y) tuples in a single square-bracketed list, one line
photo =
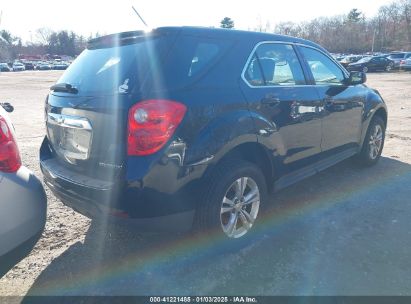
[(252, 152)]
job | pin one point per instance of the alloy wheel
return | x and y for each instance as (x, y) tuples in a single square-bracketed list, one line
[(375, 142), (239, 208)]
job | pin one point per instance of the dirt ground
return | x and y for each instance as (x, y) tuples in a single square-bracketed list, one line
[(346, 231)]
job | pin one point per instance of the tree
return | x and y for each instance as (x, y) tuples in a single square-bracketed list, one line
[(227, 23), (43, 35), (354, 16), (8, 37)]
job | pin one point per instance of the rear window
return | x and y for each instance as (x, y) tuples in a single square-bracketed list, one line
[(113, 70)]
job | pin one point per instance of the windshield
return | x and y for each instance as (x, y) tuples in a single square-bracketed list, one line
[(112, 70)]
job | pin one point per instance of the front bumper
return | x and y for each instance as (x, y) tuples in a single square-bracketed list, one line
[(23, 206)]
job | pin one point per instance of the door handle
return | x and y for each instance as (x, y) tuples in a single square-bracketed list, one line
[(270, 101)]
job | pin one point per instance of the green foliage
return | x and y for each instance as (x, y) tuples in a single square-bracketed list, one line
[(227, 23), (7, 37), (354, 16), (62, 43)]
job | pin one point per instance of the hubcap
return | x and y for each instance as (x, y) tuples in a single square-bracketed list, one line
[(239, 208), (376, 142)]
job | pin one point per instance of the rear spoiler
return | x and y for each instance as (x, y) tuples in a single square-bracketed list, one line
[(124, 38)]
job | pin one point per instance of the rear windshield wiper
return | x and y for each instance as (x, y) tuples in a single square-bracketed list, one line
[(64, 87)]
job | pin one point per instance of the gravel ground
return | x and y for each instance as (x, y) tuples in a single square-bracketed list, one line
[(345, 231)]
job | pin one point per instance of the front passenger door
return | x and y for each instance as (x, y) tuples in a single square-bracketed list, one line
[(289, 121), (343, 104)]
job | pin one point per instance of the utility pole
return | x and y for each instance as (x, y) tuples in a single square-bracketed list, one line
[(373, 41)]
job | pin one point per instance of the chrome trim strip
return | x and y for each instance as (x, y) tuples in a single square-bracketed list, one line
[(66, 121), (202, 162), (285, 86)]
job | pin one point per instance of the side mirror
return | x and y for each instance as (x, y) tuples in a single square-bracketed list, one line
[(8, 107), (357, 78)]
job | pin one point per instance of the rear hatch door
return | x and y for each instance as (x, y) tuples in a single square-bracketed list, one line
[(86, 113)]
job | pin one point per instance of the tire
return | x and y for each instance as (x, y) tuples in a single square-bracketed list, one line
[(365, 69), (388, 68), (236, 217), (373, 143)]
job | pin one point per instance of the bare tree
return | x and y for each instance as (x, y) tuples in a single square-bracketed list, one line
[(43, 35)]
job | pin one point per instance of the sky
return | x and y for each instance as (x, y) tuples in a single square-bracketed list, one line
[(22, 18)]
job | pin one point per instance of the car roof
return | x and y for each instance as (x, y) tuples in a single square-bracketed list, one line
[(240, 34), (253, 37)]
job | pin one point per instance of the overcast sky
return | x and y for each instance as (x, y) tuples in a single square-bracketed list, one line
[(22, 18)]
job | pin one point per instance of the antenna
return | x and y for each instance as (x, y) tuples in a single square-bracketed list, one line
[(142, 20)]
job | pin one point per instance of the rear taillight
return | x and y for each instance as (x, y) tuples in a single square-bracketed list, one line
[(9, 153), (151, 124), (402, 62)]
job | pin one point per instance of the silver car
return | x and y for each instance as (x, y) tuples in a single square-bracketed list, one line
[(23, 202), (18, 67), (398, 57), (406, 64)]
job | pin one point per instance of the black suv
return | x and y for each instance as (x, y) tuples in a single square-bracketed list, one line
[(189, 127)]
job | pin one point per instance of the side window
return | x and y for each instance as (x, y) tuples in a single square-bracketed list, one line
[(274, 65), (203, 55), (324, 70)]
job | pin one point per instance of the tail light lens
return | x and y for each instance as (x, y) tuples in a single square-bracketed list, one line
[(402, 62), (151, 124), (9, 153)]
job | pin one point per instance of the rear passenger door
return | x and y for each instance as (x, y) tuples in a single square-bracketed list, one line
[(343, 104), (287, 109)]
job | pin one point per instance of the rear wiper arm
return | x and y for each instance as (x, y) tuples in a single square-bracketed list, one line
[(64, 87)]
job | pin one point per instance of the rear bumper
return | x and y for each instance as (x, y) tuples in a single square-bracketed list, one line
[(23, 206), (8, 260), (110, 202)]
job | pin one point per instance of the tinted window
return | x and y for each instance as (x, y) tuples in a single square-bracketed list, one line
[(274, 64), (324, 70), (191, 58), (204, 53), (113, 69), (396, 56)]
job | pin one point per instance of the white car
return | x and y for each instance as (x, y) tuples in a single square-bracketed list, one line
[(17, 66), (23, 202)]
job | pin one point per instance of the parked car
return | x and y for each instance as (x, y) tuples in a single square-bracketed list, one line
[(350, 59), (29, 66), (18, 67), (367, 64), (43, 66), (4, 67), (397, 57), (405, 64), (22, 200), (60, 66), (190, 128)]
